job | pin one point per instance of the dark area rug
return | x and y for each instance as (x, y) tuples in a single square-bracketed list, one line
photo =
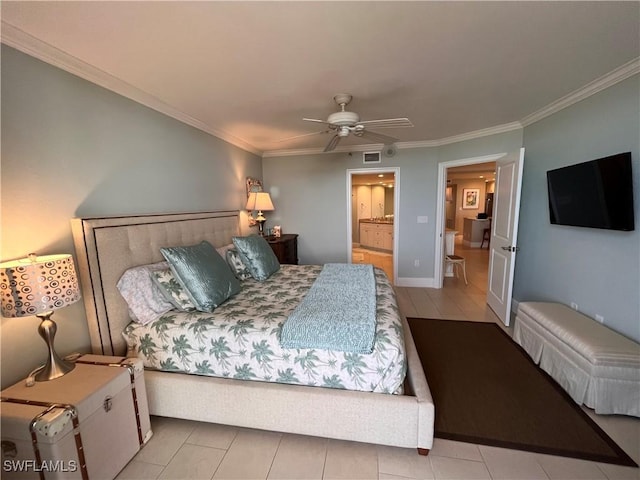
[(488, 391)]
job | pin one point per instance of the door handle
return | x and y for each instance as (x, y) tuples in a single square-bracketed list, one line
[(510, 248)]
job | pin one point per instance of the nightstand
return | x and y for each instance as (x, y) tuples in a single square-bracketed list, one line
[(285, 247), (87, 424)]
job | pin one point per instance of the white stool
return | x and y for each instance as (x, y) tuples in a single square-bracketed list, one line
[(457, 261)]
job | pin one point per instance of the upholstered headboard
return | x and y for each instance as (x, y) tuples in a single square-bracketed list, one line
[(106, 247)]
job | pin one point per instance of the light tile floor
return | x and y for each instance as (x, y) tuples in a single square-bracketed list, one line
[(383, 260), (181, 449)]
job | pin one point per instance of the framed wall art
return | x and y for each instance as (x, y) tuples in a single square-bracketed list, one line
[(253, 185), (470, 198)]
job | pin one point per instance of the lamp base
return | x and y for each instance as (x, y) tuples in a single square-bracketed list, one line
[(261, 227), (55, 367)]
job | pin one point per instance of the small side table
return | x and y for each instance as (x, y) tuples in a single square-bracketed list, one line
[(285, 247)]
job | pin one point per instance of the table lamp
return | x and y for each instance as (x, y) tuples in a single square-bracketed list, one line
[(260, 201), (38, 286)]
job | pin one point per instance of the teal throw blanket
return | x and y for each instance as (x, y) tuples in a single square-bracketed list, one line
[(338, 312)]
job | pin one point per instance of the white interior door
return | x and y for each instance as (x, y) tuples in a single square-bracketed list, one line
[(504, 233)]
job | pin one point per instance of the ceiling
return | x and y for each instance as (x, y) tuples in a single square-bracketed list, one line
[(485, 171), (386, 179), (249, 72)]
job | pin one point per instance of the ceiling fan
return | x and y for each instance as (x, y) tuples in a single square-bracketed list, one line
[(343, 123)]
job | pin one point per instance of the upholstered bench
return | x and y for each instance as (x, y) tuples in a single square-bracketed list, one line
[(597, 366)]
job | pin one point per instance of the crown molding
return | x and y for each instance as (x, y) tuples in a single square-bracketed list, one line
[(294, 152), (20, 40), (507, 127), (484, 132), (372, 147), (616, 76)]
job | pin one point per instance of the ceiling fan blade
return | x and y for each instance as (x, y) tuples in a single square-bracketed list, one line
[(332, 143), (303, 135), (315, 120), (386, 139), (387, 123)]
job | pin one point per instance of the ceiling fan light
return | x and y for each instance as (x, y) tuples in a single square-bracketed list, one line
[(343, 118), (345, 123)]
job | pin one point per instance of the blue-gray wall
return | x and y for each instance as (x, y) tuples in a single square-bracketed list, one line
[(597, 269), (71, 148), (310, 196)]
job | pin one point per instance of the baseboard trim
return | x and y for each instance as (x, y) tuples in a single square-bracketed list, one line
[(416, 282)]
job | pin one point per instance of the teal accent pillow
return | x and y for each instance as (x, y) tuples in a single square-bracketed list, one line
[(257, 255), (203, 273)]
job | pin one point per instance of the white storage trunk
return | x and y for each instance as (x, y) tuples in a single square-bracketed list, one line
[(87, 424)]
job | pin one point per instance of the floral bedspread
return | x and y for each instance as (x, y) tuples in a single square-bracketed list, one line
[(241, 339)]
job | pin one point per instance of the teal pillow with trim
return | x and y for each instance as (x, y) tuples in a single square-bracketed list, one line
[(172, 290), (203, 273), (257, 255), (237, 266)]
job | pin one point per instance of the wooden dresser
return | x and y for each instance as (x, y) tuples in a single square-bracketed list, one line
[(285, 247)]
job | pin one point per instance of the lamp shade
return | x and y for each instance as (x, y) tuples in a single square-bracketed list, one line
[(260, 201), (34, 285)]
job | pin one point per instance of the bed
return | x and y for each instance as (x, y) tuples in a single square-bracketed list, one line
[(106, 247)]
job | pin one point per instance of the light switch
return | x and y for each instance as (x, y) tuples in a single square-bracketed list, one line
[(423, 219)]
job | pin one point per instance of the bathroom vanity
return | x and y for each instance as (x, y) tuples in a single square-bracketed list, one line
[(377, 234)]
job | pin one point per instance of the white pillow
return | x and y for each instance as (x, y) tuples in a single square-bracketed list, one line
[(145, 300)]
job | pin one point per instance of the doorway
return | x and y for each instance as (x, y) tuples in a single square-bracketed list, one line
[(372, 209), (465, 169), (504, 228), (468, 215)]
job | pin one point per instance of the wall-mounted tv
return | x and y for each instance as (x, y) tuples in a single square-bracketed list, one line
[(595, 194)]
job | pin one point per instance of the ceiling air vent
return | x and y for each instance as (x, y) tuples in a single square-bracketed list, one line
[(371, 157)]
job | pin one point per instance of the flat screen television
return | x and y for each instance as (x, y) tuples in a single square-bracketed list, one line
[(595, 194)]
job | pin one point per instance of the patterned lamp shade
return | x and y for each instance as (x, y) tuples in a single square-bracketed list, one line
[(34, 285)]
